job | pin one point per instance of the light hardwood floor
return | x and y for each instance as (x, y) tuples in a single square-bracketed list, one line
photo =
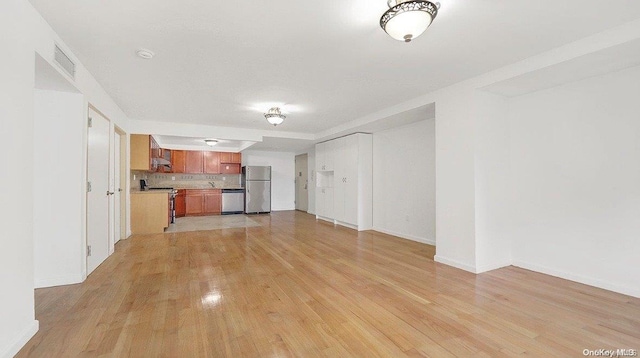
[(297, 287)]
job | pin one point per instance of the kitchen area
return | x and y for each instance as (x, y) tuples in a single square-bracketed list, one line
[(170, 187)]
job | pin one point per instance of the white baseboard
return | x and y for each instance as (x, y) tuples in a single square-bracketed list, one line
[(58, 281), (423, 240), (493, 266), (625, 290), (318, 217), (20, 340), (455, 263)]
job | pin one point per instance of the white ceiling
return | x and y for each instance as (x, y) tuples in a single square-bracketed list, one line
[(225, 62), (596, 63)]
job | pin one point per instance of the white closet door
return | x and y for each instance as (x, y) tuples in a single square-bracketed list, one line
[(98, 196), (350, 185), (339, 163)]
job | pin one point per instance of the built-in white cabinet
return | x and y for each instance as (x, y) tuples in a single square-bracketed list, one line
[(348, 173), (324, 203), (325, 153)]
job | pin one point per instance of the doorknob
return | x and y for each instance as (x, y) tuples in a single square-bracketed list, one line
[(110, 192)]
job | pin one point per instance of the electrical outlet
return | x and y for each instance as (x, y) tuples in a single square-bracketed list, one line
[(173, 178)]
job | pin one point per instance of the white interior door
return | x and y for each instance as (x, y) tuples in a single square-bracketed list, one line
[(98, 191), (118, 190), (302, 183)]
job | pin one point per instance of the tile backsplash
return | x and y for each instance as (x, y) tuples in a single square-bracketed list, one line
[(184, 181)]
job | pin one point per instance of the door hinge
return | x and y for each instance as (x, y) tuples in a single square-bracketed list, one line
[(88, 250), (90, 122), (88, 187)]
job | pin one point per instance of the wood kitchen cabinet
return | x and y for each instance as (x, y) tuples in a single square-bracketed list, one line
[(140, 150), (213, 202), (178, 161), (230, 168), (145, 152), (230, 158), (149, 212), (200, 202), (194, 205), (194, 162), (211, 162), (205, 162), (181, 203)]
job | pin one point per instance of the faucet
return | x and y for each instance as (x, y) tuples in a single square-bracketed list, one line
[(213, 184)]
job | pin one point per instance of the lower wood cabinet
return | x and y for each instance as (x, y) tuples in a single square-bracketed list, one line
[(200, 202), (149, 212), (181, 203)]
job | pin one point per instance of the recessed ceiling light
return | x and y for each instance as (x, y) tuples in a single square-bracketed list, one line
[(211, 142), (145, 54)]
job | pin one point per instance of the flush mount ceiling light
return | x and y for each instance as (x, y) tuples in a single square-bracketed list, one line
[(274, 116), (407, 19), (211, 142), (145, 54)]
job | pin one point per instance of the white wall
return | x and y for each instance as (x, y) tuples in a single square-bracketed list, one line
[(25, 33), (17, 322), (58, 187), (455, 183), (311, 175), (404, 181), (283, 170), (492, 184), (575, 154)]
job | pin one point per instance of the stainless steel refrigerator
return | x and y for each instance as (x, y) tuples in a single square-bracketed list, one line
[(257, 189)]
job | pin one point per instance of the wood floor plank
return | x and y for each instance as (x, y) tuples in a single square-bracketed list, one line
[(296, 287)]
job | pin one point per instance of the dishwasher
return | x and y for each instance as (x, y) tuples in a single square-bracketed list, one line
[(232, 201)]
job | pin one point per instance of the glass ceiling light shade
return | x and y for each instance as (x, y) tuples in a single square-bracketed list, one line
[(211, 142), (407, 19), (274, 116)]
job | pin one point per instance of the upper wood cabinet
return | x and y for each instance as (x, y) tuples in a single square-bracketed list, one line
[(141, 158), (230, 158), (194, 162), (230, 168), (178, 161), (145, 152), (211, 162)]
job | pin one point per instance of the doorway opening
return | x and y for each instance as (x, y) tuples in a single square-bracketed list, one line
[(302, 182)]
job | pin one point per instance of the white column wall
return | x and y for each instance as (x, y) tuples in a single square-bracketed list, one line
[(455, 173), (404, 181), (493, 203), (58, 187), (17, 322)]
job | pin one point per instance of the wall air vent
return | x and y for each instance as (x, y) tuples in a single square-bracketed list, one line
[(65, 62)]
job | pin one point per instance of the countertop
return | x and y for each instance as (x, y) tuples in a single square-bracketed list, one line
[(167, 191), (163, 191)]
